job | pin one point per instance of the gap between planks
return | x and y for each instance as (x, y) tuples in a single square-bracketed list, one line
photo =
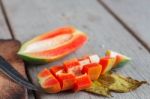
[(132, 32), (13, 37), (6, 19)]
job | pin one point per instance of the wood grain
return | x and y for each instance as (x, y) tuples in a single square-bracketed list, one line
[(9, 89), (33, 17), (135, 14)]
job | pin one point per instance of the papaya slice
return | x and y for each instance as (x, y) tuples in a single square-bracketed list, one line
[(52, 45), (107, 64), (48, 82), (82, 82), (121, 59), (93, 70)]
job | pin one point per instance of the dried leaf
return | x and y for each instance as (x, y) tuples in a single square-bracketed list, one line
[(98, 88), (114, 82), (124, 84)]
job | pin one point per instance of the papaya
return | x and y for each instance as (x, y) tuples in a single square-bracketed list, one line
[(53, 45), (94, 58), (107, 64), (93, 70), (82, 82), (72, 66), (66, 79), (121, 59), (55, 70), (84, 61), (48, 82)]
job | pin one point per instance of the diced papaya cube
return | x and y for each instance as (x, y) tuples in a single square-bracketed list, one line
[(93, 70), (56, 70), (82, 82), (84, 61), (107, 64), (51, 85), (72, 66), (44, 73), (89, 59), (66, 81), (94, 58), (70, 63), (48, 82)]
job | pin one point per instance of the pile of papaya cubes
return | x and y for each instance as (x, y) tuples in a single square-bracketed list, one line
[(78, 74)]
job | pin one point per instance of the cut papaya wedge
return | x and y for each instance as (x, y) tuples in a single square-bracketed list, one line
[(121, 59), (107, 64), (93, 70), (48, 82), (52, 45)]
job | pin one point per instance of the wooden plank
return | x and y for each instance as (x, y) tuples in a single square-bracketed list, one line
[(4, 32), (32, 17), (135, 14)]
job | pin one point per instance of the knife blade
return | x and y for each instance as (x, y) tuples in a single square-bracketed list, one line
[(12, 73)]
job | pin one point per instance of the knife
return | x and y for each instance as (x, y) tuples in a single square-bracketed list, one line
[(12, 73)]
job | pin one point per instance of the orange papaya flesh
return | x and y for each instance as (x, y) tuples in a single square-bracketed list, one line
[(72, 66), (66, 81), (52, 45), (107, 64), (63, 50), (82, 82), (48, 82), (54, 33), (93, 70), (55, 70), (70, 63), (44, 73)]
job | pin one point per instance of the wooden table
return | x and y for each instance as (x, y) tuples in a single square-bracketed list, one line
[(120, 25)]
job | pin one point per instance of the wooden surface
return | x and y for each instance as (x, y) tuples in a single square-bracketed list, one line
[(135, 14), (9, 89), (29, 18)]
